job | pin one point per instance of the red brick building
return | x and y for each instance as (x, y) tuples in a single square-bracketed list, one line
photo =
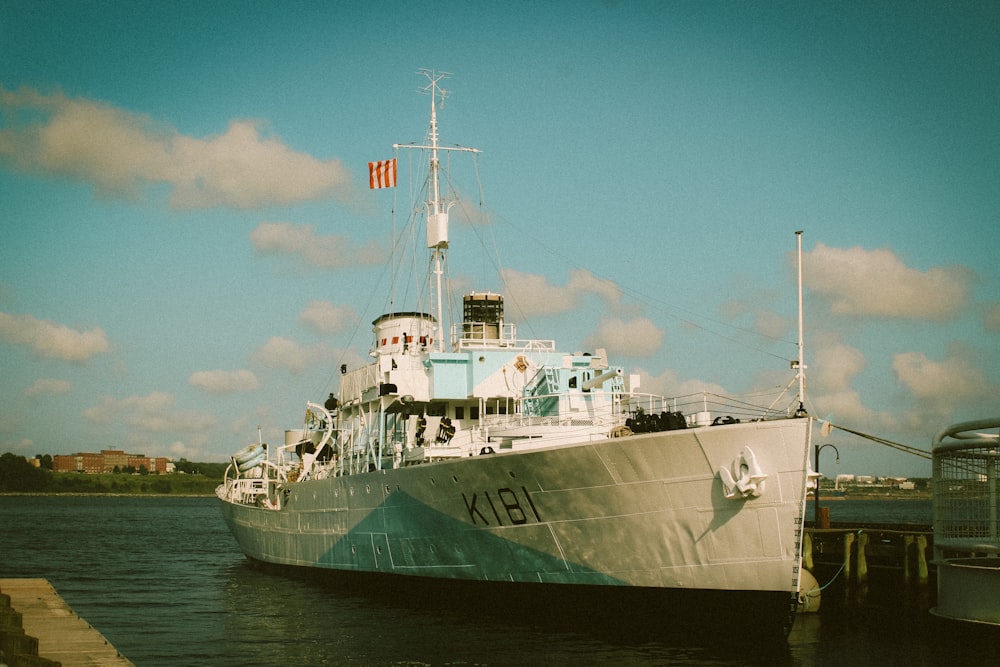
[(107, 461)]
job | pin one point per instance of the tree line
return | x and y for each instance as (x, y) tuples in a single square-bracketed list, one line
[(18, 475)]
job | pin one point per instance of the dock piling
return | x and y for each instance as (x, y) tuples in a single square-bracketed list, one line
[(860, 561), (862, 557), (848, 544), (922, 573), (807, 552)]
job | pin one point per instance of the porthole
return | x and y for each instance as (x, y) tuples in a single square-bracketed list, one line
[(368, 488), (454, 478), (511, 473)]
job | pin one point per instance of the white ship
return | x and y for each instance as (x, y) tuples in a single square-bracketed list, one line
[(472, 455)]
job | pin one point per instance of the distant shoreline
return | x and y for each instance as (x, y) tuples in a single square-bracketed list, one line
[(107, 495), (916, 495)]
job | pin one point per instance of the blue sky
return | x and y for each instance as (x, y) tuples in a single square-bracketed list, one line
[(188, 247)]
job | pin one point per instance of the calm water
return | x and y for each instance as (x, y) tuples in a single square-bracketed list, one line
[(162, 579)]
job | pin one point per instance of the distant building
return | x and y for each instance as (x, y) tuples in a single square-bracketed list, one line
[(843, 479), (107, 461)]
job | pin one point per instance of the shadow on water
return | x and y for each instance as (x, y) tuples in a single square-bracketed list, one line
[(888, 622), (314, 617), (333, 617)]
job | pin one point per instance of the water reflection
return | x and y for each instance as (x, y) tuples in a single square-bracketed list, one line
[(275, 616), (166, 583)]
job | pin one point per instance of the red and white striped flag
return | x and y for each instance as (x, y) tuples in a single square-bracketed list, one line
[(382, 174)]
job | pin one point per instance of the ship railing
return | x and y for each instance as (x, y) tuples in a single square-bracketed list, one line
[(703, 407), (479, 335), (243, 490), (581, 420), (616, 408), (469, 334), (591, 413)]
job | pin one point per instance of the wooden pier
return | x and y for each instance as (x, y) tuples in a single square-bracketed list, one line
[(862, 565), (38, 629)]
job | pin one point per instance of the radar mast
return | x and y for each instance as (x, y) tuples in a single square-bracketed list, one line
[(436, 207)]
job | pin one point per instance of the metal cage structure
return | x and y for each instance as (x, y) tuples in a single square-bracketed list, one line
[(966, 488)]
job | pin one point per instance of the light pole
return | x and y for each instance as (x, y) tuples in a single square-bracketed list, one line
[(818, 449)]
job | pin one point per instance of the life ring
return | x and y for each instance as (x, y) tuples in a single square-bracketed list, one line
[(249, 452), (251, 463)]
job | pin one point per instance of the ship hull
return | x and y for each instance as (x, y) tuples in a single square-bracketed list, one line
[(646, 512)]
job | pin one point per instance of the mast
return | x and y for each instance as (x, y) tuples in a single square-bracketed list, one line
[(800, 364), (436, 206), (437, 219)]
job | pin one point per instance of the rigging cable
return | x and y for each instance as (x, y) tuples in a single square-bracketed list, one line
[(882, 441)]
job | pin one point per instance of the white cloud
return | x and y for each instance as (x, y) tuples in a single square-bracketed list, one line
[(194, 449), (772, 325), (991, 320), (930, 393), (52, 340), (835, 367), (766, 322), (181, 450), (732, 309), (332, 252), (48, 386), (23, 447), (224, 382), (633, 338), (668, 383), (325, 317), (153, 413), (584, 282), (533, 294), (846, 408), (105, 411), (279, 352), (466, 213), (861, 282), (120, 153), (952, 381)]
